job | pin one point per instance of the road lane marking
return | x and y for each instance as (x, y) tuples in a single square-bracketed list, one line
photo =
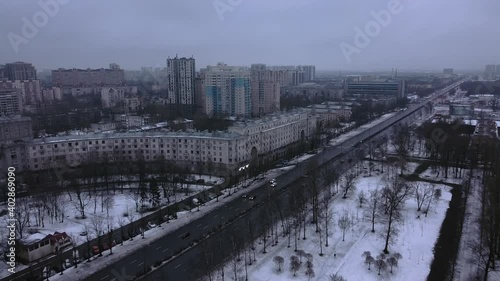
[(165, 250), (133, 261), (158, 248), (177, 266), (222, 218), (206, 226), (140, 264), (105, 277), (216, 216), (198, 225)]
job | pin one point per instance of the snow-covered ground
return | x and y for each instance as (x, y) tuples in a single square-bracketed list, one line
[(73, 225), (414, 242)]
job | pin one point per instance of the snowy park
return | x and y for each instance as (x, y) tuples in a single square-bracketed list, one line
[(354, 252)]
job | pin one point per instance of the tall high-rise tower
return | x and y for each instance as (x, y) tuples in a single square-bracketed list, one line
[(227, 90), (181, 75)]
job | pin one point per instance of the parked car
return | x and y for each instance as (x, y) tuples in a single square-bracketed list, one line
[(95, 250), (186, 235), (244, 196), (252, 197), (83, 233), (151, 224)]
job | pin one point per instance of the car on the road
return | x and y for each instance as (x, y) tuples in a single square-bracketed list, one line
[(244, 196), (252, 197), (151, 224), (186, 235)]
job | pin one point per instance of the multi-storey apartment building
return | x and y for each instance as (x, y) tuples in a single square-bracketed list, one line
[(10, 102), (15, 132), (309, 72), (31, 91), (242, 144), (52, 94), (68, 78), (491, 72), (199, 95), (227, 90), (265, 91), (19, 71), (112, 97), (268, 137), (181, 75)]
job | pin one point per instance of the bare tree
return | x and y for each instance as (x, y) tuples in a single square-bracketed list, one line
[(436, 195), (349, 183), (294, 265), (279, 260), (108, 203), (373, 204), (22, 212), (422, 194), (344, 223), (310, 273), (97, 225), (336, 277), (301, 255), (82, 199), (361, 198), (395, 194), (326, 214), (392, 262), (380, 265), (369, 260), (401, 141), (75, 239)]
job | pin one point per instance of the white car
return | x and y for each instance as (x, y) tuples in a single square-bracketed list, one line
[(151, 224)]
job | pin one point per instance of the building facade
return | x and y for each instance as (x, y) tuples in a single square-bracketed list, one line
[(112, 97), (10, 102), (68, 78), (30, 90), (309, 72), (227, 90), (181, 75), (19, 71), (15, 132), (396, 89), (243, 143)]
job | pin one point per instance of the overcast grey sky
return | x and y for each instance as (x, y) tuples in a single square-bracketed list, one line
[(426, 34)]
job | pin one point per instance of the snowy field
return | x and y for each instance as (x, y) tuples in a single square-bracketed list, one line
[(415, 242)]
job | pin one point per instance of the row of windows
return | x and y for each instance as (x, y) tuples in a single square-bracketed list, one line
[(130, 141)]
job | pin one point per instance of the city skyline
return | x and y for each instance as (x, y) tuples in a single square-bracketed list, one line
[(417, 34)]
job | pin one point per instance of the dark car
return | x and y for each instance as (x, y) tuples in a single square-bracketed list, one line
[(186, 235)]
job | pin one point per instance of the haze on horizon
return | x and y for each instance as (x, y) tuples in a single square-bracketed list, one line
[(426, 34)]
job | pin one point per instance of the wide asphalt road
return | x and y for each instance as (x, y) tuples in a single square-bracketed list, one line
[(181, 267)]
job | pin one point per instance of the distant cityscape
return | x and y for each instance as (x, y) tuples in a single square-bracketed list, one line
[(73, 128)]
